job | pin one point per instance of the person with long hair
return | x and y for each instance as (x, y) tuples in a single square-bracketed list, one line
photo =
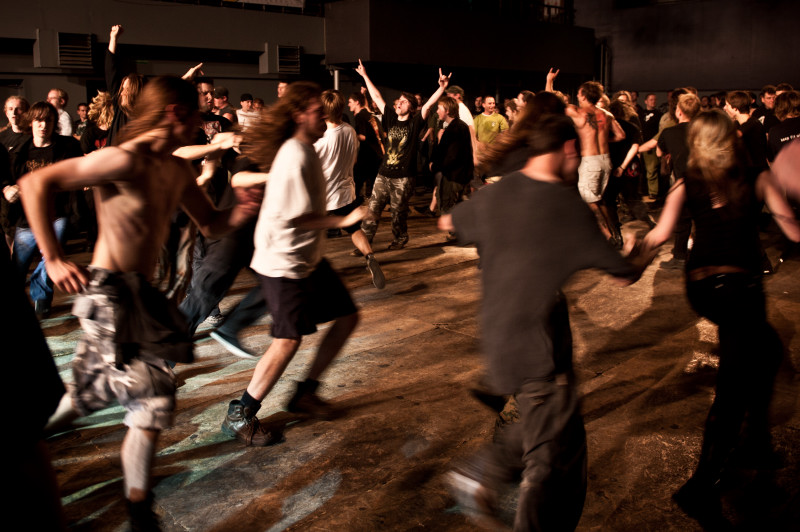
[(299, 286), (130, 330), (123, 84), (723, 273)]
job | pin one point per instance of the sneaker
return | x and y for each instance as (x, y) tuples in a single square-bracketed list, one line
[(396, 245), (214, 321), (142, 517), (356, 253), (475, 499), (242, 424), (375, 271), (232, 345), (306, 401)]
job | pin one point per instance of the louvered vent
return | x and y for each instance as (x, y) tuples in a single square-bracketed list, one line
[(74, 50), (288, 59)]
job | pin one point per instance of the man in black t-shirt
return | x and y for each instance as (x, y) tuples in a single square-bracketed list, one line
[(370, 149), (394, 182), (787, 111), (672, 142), (753, 134)]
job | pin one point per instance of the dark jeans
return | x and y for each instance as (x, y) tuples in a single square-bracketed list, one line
[(213, 277), (750, 353)]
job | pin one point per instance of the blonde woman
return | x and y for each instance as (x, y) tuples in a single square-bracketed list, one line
[(723, 275)]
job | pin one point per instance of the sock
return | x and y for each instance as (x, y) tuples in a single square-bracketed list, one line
[(250, 403)]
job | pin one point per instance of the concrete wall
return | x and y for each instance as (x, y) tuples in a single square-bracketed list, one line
[(152, 23), (709, 44)]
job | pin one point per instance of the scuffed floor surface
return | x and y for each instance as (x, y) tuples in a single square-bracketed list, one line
[(646, 364)]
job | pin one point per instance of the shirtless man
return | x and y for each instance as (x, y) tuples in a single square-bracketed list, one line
[(138, 185), (595, 128)]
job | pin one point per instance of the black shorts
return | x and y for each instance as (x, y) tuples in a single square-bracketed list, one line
[(298, 305), (344, 211)]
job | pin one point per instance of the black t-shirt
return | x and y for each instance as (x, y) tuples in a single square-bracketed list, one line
[(783, 133), (31, 158), (649, 121), (364, 126), (673, 142), (13, 141), (766, 117), (93, 138), (619, 150), (754, 138), (725, 235), (531, 236), (402, 138)]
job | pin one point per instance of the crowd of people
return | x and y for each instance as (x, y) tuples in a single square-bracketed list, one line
[(177, 192)]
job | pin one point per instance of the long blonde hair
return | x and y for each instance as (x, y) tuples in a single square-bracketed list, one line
[(101, 110), (714, 154)]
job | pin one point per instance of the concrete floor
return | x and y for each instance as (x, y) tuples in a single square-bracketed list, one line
[(646, 364)]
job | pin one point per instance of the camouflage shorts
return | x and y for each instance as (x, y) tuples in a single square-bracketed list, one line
[(145, 386)]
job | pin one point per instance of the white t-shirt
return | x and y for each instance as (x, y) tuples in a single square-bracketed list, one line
[(296, 186), (247, 118), (64, 123), (465, 115), (337, 151)]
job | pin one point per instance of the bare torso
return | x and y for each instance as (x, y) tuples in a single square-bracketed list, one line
[(593, 126), (133, 213)]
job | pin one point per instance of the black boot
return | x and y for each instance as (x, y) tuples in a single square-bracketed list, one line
[(241, 423), (142, 517)]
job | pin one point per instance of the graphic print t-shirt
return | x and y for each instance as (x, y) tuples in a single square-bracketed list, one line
[(401, 144)]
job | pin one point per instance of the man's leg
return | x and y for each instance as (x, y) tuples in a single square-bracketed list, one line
[(374, 269), (400, 190), (334, 339), (377, 201), (271, 366), (651, 166)]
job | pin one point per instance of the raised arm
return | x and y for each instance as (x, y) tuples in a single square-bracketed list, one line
[(443, 81), (215, 223), (220, 143), (374, 93), (551, 78), (116, 31)]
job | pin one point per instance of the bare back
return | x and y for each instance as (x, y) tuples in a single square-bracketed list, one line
[(593, 126), (133, 212)]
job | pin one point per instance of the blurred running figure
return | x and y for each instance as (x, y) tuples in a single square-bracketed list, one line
[(533, 233), (300, 287), (130, 329)]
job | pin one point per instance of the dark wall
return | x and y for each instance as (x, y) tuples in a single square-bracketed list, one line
[(710, 44)]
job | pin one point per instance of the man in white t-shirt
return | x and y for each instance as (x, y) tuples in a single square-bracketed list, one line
[(337, 151), (300, 287), (58, 98)]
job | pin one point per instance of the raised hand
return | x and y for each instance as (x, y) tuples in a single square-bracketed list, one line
[(551, 76), (116, 31), (361, 70), (444, 81), (192, 72)]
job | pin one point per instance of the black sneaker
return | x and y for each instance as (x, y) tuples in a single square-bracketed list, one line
[(232, 345), (375, 272), (396, 245), (701, 502), (306, 401), (241, 423)]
